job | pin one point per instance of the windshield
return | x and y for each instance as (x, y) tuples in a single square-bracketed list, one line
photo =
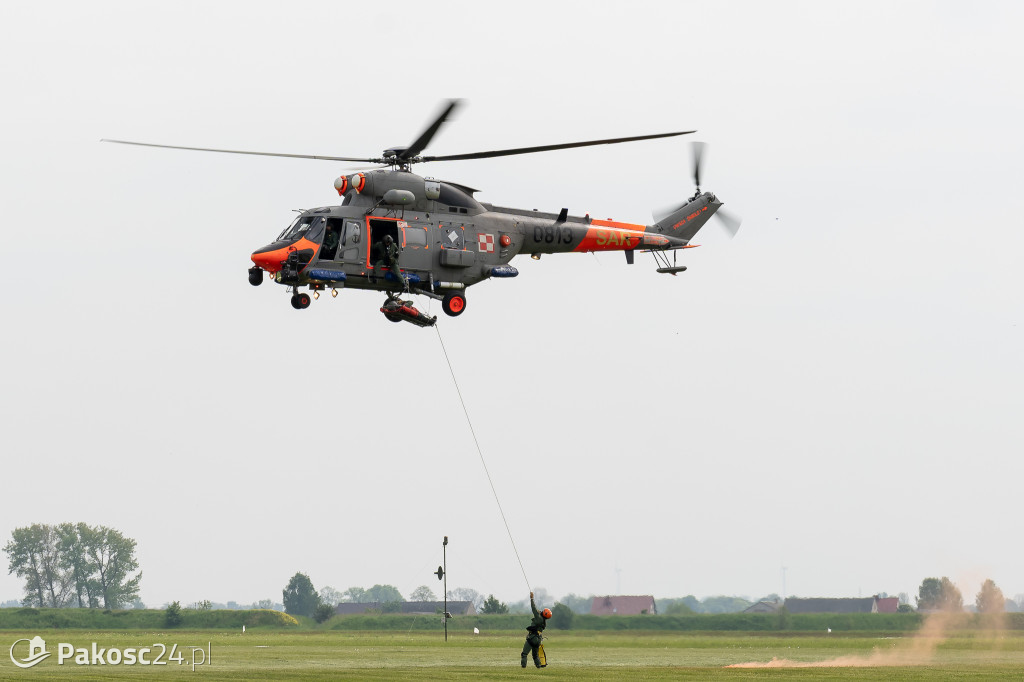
[(298, 228)]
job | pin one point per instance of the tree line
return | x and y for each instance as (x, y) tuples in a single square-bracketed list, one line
[(301, 598), (941, 594), (74, 565)]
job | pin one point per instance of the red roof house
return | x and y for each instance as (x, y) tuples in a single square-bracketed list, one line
[(622, 605), (888, 604)]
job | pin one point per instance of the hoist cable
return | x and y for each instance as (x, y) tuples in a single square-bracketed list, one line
[(481, 454)]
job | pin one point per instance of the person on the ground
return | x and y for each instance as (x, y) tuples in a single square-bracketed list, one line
[(533, 636)]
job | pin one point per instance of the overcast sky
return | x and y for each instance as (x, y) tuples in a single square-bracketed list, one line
[(837, 390)]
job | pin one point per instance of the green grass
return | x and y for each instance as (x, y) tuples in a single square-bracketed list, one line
[(332, 654)]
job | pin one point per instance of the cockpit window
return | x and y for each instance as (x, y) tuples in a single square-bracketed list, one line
[(316, 230), (298, 228), (281, 236)]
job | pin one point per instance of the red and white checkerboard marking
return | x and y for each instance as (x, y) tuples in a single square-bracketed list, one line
[(486, 243)]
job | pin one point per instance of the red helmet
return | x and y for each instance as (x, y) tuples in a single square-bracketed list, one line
[(546, 613)]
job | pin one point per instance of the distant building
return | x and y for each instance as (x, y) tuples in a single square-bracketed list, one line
[(763, 607), (409, 608), (888, 604), (823, 605), (873, 604), (622, 605)]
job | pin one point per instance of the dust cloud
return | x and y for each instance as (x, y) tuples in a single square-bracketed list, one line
[(916, 650)]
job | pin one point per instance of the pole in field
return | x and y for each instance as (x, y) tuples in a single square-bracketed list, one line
[(442, 573)]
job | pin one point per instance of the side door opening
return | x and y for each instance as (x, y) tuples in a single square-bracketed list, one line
[(378, 229)]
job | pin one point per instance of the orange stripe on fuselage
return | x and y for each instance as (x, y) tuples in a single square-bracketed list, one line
[(609, 235)]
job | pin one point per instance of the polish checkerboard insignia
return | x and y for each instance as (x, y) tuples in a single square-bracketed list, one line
[(486, 243)]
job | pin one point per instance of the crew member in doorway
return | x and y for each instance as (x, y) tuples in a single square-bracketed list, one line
[(533, 637), (387, 256), (330, 246)]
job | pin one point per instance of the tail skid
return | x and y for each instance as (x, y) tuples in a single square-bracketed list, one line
[(666, 267)]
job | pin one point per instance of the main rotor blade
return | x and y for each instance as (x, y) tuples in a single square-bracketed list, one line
[(236, 151), (548, 148), (424, 139)]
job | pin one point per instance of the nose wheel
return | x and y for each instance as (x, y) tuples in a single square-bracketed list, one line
[(300, 301)]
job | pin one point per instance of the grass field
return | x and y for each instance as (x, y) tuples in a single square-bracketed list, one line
[(268, 654)]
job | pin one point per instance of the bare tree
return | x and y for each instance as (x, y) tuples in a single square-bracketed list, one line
[(422, 593), (331, 596), (467, 594)]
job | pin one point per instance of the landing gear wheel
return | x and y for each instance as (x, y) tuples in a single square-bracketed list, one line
[(300, 301), (453, 304)]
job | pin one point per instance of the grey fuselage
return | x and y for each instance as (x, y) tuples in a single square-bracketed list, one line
[(448, 239)]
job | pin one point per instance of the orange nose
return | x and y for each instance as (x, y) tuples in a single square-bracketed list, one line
[(270, 260)]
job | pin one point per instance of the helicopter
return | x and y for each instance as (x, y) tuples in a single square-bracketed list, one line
[(447, 240)]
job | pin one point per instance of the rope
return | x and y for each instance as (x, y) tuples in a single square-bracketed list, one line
[(481, 454)]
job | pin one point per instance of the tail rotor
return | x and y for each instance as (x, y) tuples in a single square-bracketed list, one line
[(729, 221)]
